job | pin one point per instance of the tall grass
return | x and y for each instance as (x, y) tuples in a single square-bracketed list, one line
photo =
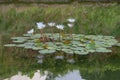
[(91, 19)]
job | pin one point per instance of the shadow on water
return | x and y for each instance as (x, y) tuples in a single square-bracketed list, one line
[(94, 66)]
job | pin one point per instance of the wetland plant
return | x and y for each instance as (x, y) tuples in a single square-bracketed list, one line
[(54, 43)]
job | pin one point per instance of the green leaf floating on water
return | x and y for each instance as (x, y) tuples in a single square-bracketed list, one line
[(68, 51), (10, 45), (118, 44), (20, 45), (19, 38), (65, 47), (81, 52), (75, 42), (90, 46), (18, 41), (29, 45), (37, 48), (91, 50), (77, 48), (103, 50), (47, 51)]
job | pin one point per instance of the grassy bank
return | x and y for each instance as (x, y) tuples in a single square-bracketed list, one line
[(90, 19)]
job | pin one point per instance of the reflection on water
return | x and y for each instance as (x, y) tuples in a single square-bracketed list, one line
[(71, 75), (95, 66)]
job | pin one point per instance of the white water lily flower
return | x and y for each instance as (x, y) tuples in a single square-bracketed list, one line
[(40, 25), (71, 20), (31, 31), (60, 27), (51, 24), (70, 25)]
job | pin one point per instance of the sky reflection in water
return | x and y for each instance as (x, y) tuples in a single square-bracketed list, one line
[(71, 75)]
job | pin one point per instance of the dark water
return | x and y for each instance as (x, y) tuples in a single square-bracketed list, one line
[(95, 66)]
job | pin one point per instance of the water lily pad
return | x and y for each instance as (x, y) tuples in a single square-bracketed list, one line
[(52, 48), (59, 44), (77, 38), (19, 38), (92, 51), (28, 47), (118, 44), (99, 44), (50, 51), (37, 48), (77, 48), (81, 52), (29, 44), (58, 49), (44, 51), (74, 46), (103, 50), (112, 42), (75, 42), (65, 47), (10, 45), (18, 41), (51, 45), (47, 51), (81, 45), (68, 51), (90, 46), (20, 45)]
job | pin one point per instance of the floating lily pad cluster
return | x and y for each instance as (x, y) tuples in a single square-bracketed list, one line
[(80, 44), (49, 43)]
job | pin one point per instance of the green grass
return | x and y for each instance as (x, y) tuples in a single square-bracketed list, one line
[(90, 19)]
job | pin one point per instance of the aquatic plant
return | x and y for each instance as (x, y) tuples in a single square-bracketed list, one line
[(31, 31), (80, 44), (70, 25)]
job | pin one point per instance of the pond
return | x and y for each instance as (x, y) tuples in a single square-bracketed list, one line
[(93, 66)]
